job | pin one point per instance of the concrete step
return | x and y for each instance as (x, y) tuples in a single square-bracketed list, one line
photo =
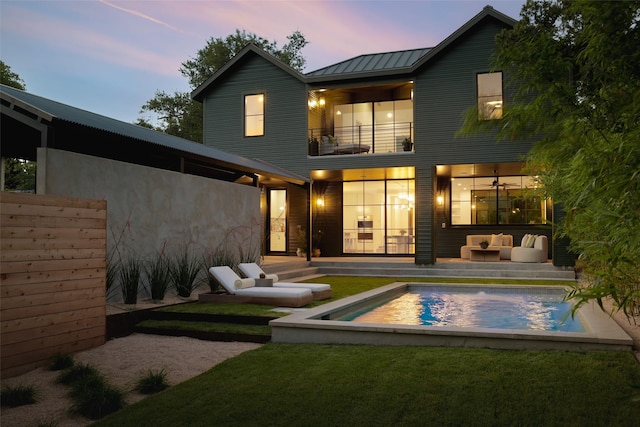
[(297, 270), (446, 272)]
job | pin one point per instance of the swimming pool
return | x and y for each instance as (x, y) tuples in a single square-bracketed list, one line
[(323, 324), (502, 308)]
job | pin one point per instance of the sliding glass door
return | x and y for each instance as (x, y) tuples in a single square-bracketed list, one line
[(378, 217)]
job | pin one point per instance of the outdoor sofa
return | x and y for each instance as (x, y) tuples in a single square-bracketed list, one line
[(503, 242), (533, 248)]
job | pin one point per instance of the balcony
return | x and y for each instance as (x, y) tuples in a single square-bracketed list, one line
[(362, 139)]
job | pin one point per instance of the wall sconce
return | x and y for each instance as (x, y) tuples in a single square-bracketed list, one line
[(440, 200), (320, 202)]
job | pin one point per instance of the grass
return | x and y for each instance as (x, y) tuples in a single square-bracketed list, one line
[(309, 385), (231, 328), (153, 382), (77, 373), (61, 361), (19, 395)]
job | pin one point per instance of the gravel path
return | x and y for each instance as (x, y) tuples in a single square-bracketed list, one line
[(122, 361)]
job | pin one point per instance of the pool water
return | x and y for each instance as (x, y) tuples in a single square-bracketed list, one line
[(479, 308)]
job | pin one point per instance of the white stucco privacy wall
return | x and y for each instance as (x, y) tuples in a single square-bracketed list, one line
[(151, 208)]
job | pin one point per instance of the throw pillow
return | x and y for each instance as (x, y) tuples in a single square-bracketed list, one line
[(496, 240), (525, 238), (531, 241), (244, 283)]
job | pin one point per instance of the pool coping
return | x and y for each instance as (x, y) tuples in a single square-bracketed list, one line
[(315, 326)]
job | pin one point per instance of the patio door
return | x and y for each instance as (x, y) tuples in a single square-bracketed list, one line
[(277, 220)]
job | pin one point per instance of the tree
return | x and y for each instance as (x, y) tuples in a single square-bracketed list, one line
[(575, 69), (9, 78), (178, 114), (19, 174)]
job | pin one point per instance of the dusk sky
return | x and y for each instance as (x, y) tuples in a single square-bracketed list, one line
[(110, 57)]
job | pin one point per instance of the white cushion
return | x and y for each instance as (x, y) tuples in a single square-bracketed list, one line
[(496, 240), (274, 292), (251, 269), (314, 287), (244, 283), (523, 243), (531, 242), (226, 277)]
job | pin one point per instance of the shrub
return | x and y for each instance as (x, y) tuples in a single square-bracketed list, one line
[(130, 280), (14, 396), (60, 362), (111, 274), (183, 271), (94, 398), (78, 373), (152, 382), (157, 272)]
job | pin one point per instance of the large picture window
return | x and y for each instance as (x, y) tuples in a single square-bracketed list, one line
[(497, 200), (489, 96), (254, 115)]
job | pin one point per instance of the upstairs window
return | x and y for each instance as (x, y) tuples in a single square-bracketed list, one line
[(489, 96), (254, 115)]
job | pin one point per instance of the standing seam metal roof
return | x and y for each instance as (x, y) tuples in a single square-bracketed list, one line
[(373, 62)]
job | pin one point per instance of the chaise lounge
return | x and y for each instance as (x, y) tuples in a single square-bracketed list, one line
[(252, 270), (243, 291)]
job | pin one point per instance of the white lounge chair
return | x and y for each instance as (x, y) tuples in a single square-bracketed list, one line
[(238, 293), (252, 270)]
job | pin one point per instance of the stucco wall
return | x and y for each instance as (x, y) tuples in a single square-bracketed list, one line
[(148, 208)]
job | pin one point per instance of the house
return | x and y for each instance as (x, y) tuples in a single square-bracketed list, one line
[(376, 135)]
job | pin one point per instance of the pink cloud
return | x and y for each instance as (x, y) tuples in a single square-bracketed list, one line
[(91, 44)]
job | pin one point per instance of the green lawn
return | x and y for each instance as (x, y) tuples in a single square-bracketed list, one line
[(324, 385), (332, 385)]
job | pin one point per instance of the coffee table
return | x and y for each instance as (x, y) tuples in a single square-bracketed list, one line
[(479, 254)]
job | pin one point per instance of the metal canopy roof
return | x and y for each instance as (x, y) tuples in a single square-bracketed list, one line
[(49, 111)]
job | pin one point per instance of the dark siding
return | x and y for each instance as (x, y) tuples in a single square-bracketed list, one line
[(285, 139), (297, 215), (425, 253), (444, 91)]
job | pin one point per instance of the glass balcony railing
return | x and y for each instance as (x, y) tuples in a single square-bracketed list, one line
[(363, 139)]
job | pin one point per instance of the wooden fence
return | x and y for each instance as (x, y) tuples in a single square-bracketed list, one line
[(52, 271)]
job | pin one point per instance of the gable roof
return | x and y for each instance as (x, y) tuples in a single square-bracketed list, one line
[(197, 94), (362, 66), (400, 62), (487, 11), (49, 111)]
